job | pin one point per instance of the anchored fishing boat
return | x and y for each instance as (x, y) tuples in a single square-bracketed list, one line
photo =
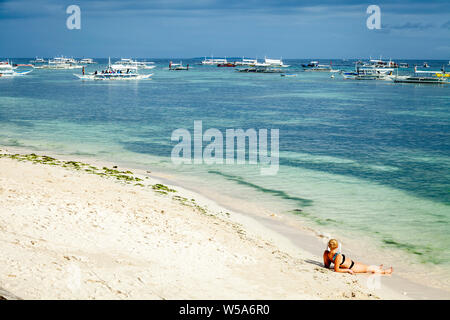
[(211, 61), (60, 63), (428, 77), (178, 66), (226, 65), (113, 74), (311, 64), (272, 63), (315, 66), (87, 61), (246, 62), (378, 63), (365, 71), (7, 70), (129, 64), (38, 60), (261, 69)]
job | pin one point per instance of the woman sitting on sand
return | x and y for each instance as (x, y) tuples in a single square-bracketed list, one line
[(342, 264)]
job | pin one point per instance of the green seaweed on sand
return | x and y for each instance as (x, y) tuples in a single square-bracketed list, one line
[(123, 176), (161, 187), (179, 198), (191, 203), (126, 176)]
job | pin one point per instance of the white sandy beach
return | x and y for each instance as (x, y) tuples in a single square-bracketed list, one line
[(71, 234)]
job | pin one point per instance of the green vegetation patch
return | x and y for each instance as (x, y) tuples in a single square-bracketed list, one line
[(161, 187)]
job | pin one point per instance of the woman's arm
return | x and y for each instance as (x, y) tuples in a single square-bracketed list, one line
[(337, 263), (326, 261)]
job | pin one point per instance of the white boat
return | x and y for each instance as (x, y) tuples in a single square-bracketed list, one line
[(87, 61), (274, 63), (246, 62), (130, 64), (369, 73), (177, 66), (428, 76), (212, 61), (315, 66), (38, 60), (260, 69), (375, 74), (113, 74), (60, 63), (378, 63), (7, 70)]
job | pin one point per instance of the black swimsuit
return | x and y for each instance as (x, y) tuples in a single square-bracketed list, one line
[(343, 260)]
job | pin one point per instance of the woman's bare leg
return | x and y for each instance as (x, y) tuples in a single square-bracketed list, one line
[(362, 268), (379, 269), (359, 268)]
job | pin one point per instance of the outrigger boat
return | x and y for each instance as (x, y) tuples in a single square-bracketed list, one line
[(113, 74), (378, 63), (212, 61), (246, 62), (87, 61), (60, 63), (272, 63), (383, 64), (314, 66), (261, 69), (311, 64), (428, 76), (125, 63), (369, 72), (37, 60), (228, 64), (7, 70), (177, 66)]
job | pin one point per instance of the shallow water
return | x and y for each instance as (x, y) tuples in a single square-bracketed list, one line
[(370, 158)]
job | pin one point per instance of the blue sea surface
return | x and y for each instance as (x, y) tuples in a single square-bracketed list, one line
[(365, 157)]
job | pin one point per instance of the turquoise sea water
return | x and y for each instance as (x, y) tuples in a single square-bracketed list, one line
[(364, 157)]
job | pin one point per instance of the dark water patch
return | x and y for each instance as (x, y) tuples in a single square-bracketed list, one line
[(81, 153), (424, 253), (426, 180), (317, 220), (19, 123), (278, 193)]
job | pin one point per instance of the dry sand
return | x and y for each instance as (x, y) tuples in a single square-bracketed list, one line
[(70, 234)]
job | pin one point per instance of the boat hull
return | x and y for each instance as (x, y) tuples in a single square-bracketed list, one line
[(114, 77), (421, 80)]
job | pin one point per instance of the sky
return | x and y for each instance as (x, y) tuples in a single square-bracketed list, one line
[(316, 29)]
